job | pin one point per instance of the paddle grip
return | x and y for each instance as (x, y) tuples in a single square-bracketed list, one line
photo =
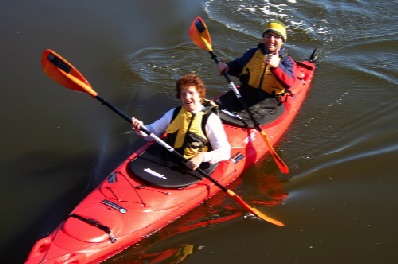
[(171, 149), (216, 60)]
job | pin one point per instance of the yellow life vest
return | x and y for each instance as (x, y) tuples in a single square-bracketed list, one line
[(186, 133), (260, 75)]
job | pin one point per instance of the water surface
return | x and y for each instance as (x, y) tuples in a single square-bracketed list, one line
[(338, 200)]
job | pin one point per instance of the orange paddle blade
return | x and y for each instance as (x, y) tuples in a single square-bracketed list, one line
[(278, 160), (199, 34), (64, 73), (252, 210)]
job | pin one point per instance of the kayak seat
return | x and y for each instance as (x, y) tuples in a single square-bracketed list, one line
[(155, 169), (263, 107)]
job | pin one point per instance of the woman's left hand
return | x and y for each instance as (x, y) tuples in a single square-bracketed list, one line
[(194, 163)]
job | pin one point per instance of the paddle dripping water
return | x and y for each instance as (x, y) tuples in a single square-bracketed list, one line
[(122, 210)]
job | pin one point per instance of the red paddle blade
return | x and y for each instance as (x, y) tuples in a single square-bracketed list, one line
[(199, 34), (64, 73)]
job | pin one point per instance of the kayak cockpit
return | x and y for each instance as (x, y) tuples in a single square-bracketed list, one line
[(263, 107), (154, 169)]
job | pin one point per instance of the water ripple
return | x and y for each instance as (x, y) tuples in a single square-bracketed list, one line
[(159, 68), (249, 17)]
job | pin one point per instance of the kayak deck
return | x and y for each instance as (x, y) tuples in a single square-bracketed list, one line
[(123, 209)]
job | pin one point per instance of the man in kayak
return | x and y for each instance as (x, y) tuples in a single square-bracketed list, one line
[(266, 67), (193, 129)]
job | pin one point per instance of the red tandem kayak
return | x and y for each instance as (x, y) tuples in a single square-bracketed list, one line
[(143, 194)]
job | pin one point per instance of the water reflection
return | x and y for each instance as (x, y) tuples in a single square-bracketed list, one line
[(272, 187), (173, 255), (165, 246)]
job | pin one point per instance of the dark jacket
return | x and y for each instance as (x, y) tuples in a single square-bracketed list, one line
[(284, 72)]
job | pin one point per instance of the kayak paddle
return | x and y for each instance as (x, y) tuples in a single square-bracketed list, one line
[(64, 73), (201, 37)]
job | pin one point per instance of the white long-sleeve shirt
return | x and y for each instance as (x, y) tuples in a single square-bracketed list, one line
[(214, 132)]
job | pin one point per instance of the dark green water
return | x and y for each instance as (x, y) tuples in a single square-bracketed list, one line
[(342, 148)]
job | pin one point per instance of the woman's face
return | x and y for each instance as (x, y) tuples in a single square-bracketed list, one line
[(273, 42), (190, 98)]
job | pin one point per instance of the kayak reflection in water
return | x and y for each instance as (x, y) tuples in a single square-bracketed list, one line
[(273, 188), (174, 255), (193, 129), (215, 211)]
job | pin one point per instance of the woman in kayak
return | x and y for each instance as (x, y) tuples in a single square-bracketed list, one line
[(266, 66), (193, 129)]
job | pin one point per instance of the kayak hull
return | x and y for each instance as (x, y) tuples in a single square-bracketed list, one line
[(123, 210)]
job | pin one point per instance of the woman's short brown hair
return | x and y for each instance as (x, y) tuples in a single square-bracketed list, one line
[(190, 80)]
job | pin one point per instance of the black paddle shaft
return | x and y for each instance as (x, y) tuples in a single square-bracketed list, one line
[(238, 95), (115, 109)]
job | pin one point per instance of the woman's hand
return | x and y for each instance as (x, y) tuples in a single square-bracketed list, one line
[(136, 124), (194, 163)]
